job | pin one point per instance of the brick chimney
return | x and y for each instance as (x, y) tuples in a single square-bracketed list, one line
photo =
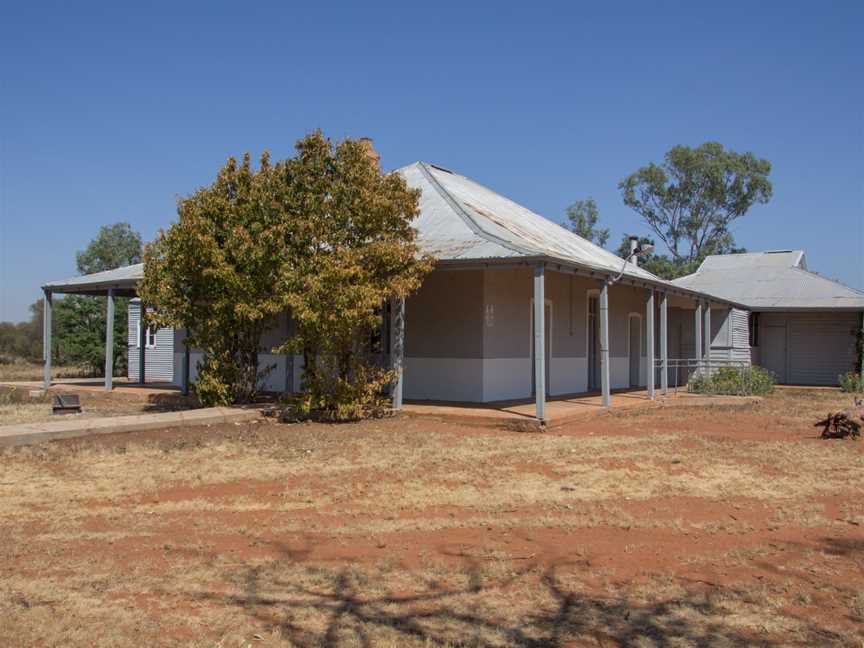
[(370, 150)]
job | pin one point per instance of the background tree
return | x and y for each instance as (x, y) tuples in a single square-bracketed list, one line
[(657, 264), (691, 199), (80, 319), (22, 340), (115, 246), (583, 216)]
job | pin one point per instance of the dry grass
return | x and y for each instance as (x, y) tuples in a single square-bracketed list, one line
[(710, 526), (25, 372), (18, 407)]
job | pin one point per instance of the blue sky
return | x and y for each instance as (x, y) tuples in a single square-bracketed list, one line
[(110, 111)]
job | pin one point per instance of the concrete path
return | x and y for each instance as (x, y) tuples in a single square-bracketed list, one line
[(71, 426)]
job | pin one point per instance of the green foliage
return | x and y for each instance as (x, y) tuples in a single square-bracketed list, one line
[(22, 340), (331, 396), (690, 200), (851, 382), (658, 264), (325, 235), (583, 216), (215, 380), (115, 246), (80, 319), (79, 325), (217, 272), (733, 381), (352, 249)]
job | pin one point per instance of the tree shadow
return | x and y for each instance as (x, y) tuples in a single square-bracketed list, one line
[(359, 610)]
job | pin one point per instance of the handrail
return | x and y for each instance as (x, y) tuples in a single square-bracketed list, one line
[(680, 371)]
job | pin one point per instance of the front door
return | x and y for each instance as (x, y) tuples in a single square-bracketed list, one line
[(773, 351), (593, 344), (635, 350), (547, 346)]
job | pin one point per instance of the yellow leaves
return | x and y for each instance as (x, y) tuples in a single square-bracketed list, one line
[(325, 234)]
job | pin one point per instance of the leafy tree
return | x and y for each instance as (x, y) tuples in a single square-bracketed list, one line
[(657, 264), (115, 246), (22, 340), (583, 216), (216, 272), (80, 319), (323, 234), (691, 199), (352, 248)]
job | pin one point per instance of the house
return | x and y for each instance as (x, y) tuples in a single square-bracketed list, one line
[(802, 326), (517, 307)]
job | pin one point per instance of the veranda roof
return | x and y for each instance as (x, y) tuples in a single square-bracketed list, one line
[(123, 280)]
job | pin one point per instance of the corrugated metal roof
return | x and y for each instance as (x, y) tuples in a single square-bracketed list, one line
[(771, 281), (123, 279), (461, 219), (769, 259)]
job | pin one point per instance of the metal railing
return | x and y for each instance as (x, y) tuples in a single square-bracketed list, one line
[(682, 370)]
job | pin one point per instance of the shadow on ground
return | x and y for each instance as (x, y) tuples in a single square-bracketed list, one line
[(531, 608)]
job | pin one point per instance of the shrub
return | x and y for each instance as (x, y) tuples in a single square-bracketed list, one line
[(733, 381), (850, 382)]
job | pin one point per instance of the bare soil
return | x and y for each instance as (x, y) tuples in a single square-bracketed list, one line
[(712, 526), (18, 407)]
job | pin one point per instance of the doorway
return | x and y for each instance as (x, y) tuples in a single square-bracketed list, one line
[(634, 343), (547, 347), (773, 351), (593, 343)]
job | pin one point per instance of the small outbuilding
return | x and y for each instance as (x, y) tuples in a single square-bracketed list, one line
[(803, 326)]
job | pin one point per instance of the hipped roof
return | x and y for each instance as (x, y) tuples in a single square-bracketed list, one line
[(460, 222), (774, 280)]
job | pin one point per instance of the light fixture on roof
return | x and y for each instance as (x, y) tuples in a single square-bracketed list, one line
[(636, 250)]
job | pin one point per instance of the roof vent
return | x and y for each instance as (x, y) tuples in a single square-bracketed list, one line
[(777, 251), (440, 168)]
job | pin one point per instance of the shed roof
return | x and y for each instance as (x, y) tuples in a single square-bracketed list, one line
[(774, 280)]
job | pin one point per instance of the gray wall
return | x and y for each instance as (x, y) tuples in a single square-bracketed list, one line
[(443, 319), (468, 334), (158, 361), (807, 348)]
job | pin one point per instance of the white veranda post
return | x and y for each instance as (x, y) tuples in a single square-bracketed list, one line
[(605, 379), (109, 341), (540, 341), (664, 345), (649, 343), (46, 338)]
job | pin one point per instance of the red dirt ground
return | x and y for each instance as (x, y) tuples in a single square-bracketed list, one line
[(656, 528)]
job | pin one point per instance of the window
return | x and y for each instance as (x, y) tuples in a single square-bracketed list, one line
[(753, 326), (149, 337)]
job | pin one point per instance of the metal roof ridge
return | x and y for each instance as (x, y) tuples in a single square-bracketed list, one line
[(812, 273), (466, 217)]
